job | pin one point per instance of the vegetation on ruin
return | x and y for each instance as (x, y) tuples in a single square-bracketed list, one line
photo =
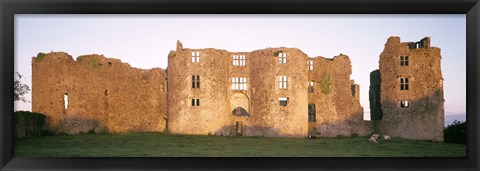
[(94, 62), (276, 53), (167, 145), (40, 56), (325, 83)]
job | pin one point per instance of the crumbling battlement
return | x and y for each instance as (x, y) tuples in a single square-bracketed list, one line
[(103, 94), (411, 90)]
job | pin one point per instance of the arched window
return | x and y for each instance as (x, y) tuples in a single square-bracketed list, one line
[(239, 111)]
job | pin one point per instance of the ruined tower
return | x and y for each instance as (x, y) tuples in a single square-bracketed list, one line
[(411, 91)]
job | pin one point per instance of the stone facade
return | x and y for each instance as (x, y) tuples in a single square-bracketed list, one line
[(270, 75), (336, 99), (273, 92), (410, 85), (103, 94)]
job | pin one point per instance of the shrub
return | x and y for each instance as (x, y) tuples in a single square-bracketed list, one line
[(94, 62), (28, 124), (40, 56), (276, 53), (455, 133)]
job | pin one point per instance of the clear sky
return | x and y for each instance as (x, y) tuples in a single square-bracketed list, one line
[(144, 41)]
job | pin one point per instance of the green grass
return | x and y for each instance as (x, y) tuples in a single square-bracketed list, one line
[(166, 145)]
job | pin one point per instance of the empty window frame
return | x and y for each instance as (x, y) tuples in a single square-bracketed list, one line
[(239, 83), (65, 100), (404, 61), (312, 113), (282, 58), (310, 86), (282, 82), (195, 102), (195, 81), (404, 104), (239, 60), (283, 101), (310, 65), (403, 83), (195, 56)]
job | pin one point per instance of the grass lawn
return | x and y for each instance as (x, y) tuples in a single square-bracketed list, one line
[(166, 145)]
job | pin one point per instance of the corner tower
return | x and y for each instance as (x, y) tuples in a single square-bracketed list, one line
[(411, 90)]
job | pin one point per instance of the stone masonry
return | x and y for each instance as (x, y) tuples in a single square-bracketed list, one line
[(268, 79), (103, 94), (273, 92), (410, 86)]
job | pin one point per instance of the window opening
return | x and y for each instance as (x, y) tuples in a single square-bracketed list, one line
[(282, 82), (403, 60), (239, 60), (283, 101), (403, 83), (310, 87), (404, 104), (312, 113), (195, 102), (282, 58), (239, 111), (65, 100), (195, 56), (310, 65), (239, 83), (195, 81)]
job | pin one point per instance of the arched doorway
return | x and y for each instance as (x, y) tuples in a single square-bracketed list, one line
[(239, 105)]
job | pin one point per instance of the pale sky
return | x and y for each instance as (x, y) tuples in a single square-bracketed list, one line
[(144, 41)]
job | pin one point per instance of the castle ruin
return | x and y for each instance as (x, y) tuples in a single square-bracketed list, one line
[(273, 92), (406, 93)]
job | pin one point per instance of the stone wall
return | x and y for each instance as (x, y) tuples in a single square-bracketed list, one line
[(269, 118), (215, 114), (210, 116), (338, 109), (104, 94), (424, 117)]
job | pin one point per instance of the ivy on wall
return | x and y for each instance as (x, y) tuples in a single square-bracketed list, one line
[(325, 83)]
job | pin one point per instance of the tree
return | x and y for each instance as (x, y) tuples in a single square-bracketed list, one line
[(456, 133), (19, 89)]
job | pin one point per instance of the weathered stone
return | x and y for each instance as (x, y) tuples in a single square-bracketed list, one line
[(104, 94), (423, 118), (107, 95), (338, 109)]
